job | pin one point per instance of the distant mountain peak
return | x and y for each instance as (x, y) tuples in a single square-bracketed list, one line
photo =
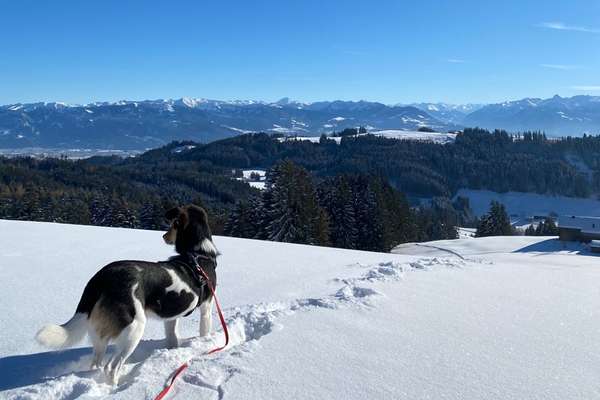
[(191, 102), (556, 116)]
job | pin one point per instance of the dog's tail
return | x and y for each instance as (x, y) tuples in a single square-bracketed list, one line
[(65, 335), (75, 329)]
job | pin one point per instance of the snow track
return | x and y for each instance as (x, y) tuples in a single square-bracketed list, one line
[(65, 375)]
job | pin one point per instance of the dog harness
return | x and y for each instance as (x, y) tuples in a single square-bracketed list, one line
[(210, 285)]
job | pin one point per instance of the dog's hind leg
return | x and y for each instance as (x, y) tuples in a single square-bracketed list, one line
[(127, 340), (100, 345), (125, 344), (206, 317), (171, 333)]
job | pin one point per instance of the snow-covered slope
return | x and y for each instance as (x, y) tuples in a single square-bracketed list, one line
[(523, 205), (435, 137), (473, 320), (450, 113)]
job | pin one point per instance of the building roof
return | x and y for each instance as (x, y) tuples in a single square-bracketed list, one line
[(583, 223)]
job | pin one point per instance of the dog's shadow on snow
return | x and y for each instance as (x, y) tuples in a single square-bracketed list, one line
[(29, 369)]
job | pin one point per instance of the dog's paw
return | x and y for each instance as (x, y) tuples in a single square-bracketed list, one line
[(111, 373), (172, 343)]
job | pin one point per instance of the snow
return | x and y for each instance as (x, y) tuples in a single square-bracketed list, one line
[(465, 233), (280, 129), (257, 185), (435, 137), (493, 318), (184, 148), (191, 102), (313, 139), (247, 177), (526, 205), (242, 131), (299, 123), (589, 225), (248, 172)]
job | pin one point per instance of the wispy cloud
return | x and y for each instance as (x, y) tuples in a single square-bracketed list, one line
[(355, 52), (561, 26), (564, 67), (455, 61), (586, 88)]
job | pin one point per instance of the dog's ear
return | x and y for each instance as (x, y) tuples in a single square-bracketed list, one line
[(173, 213), (200, 218)]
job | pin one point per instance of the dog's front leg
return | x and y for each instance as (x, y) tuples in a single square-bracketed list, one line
[(171, 333), (206, 317)]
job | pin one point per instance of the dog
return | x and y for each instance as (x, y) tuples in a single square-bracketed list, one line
[(117, 300)]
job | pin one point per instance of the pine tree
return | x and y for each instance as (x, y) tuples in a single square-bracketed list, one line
[(100, 211), (262, 207), (322, 233), (241, 221), (336, 197), (530, 230), (394, 213), (545, 228), (151, 215), (551, 228), (295, 215), (368, 217), (122, 215), (495, 222)]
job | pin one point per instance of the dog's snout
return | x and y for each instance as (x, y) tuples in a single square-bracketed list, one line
[(167, 238)]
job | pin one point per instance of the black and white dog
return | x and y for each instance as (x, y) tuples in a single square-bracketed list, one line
[(116, 301)]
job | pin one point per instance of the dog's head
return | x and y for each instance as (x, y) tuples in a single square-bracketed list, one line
[(189, 231)]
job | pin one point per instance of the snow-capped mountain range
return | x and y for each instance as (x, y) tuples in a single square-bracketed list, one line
[(150, 123), (449, 113), (557, 116)]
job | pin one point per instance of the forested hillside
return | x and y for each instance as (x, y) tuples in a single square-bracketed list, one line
[(334, 190), (109, 191), (478, 159)]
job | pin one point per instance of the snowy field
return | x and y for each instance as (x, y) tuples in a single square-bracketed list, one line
[(530, 204), (259, 183), (488, 318), (466, 233), (247, 173), (436, 137)]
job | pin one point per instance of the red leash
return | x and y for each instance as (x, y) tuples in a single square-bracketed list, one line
[(183, 366)]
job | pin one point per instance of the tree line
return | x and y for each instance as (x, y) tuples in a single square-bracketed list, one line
[(109, 191), (349, 211)]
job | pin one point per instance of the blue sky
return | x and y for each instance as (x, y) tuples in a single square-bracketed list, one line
[(388, 51)]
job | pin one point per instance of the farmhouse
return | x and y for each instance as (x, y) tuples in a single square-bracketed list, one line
[(576, 228)]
